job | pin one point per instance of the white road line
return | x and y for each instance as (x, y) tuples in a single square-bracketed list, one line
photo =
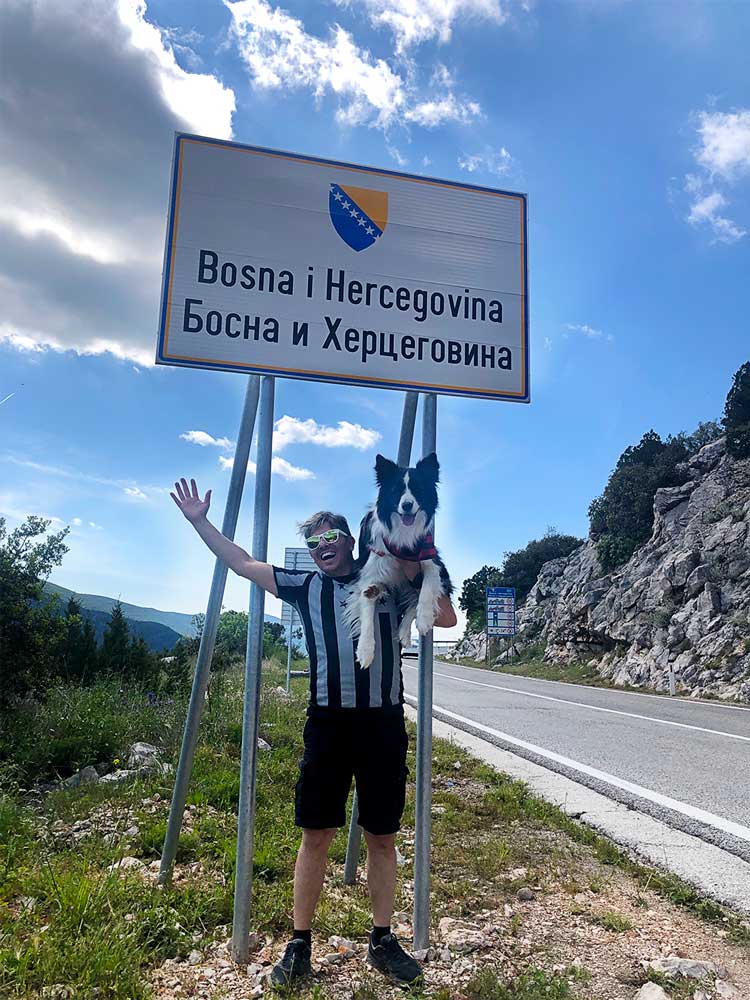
[(709, 819), (593, 708), (704, 703)]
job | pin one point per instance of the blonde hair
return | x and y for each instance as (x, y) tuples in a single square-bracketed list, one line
[(313, 524)]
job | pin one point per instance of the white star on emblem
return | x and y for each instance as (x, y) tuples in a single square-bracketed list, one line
[(353, 213), (370, 230), (338, 196), (345, 205), (361, 222)]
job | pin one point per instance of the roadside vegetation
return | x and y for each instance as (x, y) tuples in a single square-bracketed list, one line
[(72, 920)]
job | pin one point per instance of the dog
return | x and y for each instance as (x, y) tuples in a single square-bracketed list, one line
[(399, 525)]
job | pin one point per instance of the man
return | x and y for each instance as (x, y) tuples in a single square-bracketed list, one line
[(355, 726)]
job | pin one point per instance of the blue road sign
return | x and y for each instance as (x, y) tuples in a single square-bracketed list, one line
[(500, 611)]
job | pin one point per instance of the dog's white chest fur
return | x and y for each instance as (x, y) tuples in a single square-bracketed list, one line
[(384, 571)]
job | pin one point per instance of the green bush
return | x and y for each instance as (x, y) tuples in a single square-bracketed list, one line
[(73, 726), (621, 519), (737, 414)]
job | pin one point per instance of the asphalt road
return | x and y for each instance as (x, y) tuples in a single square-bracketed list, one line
[(685, 762)]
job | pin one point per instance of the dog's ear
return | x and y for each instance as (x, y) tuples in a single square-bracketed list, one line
[(384, 469), (429, 466)]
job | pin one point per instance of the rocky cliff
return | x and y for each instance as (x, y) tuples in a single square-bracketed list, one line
[(681, 604)]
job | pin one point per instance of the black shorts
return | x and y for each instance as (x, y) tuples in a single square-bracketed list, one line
[(367, 744)]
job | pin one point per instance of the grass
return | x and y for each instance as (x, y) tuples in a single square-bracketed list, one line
[(533, 984), (612, 921), (65, 919)]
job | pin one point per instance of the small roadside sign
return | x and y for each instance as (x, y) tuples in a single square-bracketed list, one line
[(500, 611)]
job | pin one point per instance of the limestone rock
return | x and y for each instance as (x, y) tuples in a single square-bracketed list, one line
[(651, 991), (128, 864), (460, 936), (86, 776), (691, 968), (142, 755), (682, 602)]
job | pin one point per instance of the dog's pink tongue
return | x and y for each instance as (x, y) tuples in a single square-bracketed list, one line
[(408, 519)]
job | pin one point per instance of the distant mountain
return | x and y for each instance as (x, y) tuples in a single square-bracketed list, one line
[(160, 629), (174, 620)]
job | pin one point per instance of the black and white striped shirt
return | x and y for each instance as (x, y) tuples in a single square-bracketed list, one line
[(336, 678)]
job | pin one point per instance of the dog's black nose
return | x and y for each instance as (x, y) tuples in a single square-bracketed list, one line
[(407, 506)]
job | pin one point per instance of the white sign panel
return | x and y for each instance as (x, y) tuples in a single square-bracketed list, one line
[(314, 269), (295, 558)]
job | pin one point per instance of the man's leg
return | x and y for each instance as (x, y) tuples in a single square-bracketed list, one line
[(381, 876), (309, 873)]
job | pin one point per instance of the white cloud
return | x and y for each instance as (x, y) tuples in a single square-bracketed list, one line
[(280, 54), (77, 522), (91, 96), (723, 160), (498, 162), (400, 159), (96, 527), (291, 430), (122, 485), (135, 492), (204, 440), (415, 22), (288, 471), (588, 331), (279, 466), (725, 142)]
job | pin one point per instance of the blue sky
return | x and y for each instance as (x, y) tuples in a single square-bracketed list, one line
[(628, 125)]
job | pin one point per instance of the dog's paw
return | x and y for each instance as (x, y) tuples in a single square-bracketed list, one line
[(425, 620), (365, 652)]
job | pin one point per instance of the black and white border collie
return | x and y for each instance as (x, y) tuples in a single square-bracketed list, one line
[(398, 526)]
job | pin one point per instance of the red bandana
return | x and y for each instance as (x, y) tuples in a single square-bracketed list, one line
[(424, 549)]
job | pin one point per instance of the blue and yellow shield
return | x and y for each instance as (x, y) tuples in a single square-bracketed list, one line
[(359, 215)]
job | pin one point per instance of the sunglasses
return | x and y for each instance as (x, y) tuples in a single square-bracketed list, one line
[(332, 535)]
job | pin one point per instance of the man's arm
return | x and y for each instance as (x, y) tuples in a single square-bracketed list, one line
[(446, 617), (236, 558)]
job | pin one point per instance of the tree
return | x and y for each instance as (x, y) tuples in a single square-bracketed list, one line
[(78, 648), (473, 593), (114, 656), (30, 633), (621, 519), (274, 639), (706, 432), (737, 414), (520, 569), (142, 663)]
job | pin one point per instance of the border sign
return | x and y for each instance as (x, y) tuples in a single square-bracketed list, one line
[(501, 611), (308, 268)]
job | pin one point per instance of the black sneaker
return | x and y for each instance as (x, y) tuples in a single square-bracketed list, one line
[(294, 965), (389, 957)]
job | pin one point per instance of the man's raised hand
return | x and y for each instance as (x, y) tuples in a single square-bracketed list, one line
[(189, 502)]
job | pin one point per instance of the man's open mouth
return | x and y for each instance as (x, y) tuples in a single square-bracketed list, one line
[(327, 556), (408, 519)]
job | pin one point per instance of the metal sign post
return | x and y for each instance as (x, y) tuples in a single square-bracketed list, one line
[(423, 813), (290, 635), (208, 638), (243, 884), (406, 437)]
